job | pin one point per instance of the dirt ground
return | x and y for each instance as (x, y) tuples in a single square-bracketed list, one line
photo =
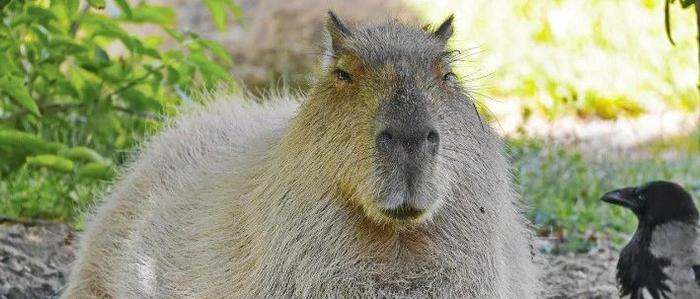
[(34, 261), (580, 276)]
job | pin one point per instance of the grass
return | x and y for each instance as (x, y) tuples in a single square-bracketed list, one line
[(562, 186)]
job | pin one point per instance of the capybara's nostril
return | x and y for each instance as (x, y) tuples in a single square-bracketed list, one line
[(433, 137), (433, 143), (385, 140)]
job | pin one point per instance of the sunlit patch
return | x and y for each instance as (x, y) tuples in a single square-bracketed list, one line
[(147, 275)]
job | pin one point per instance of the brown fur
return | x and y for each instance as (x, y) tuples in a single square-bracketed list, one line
[(242, 200)]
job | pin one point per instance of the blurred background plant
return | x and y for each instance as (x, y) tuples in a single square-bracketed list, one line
[(590, 94), (592, 59), (79, 88)]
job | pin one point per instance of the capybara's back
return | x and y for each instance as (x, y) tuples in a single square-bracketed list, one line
[(382, 183)]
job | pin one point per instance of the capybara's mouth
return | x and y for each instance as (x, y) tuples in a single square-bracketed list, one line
[(404, 212)]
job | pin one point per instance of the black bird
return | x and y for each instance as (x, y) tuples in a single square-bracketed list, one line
[(662, 260)]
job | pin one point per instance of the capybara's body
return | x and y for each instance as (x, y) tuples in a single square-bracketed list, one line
[(330, 196)]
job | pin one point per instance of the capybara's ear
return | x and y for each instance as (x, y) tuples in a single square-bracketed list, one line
[(445, 30), (337, 30)]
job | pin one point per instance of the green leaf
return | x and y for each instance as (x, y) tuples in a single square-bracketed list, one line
[(138, 100), (20, 20), (133, 44), (101, 57), (687, 3), (236, 10), (97, 170), (161, 15), (67, 45), (41, 33), (153, 41), (14, 87), (41, 13), (156, 80), (90, 91), (95, 22), (150, 52), (26, 141), (7, 66), (63, 86), (81, 153), (218, 50), (124, 6), (77, 80), (72, 6), (99, 4), (173, 75), (176, 35), (64, 13), (52, 162), (217, 9), (113, 73), (211, 71)]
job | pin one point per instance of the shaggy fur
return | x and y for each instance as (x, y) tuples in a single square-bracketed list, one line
[(279, 200)]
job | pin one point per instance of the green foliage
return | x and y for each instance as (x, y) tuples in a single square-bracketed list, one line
[(45, 193), (563, 187), (51, 162), (79, 86), (219, 8), (13, 87)]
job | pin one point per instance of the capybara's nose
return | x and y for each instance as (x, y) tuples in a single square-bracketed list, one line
[(411, 140)]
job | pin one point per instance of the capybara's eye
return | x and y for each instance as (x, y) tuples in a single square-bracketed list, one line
[(342, 75), (450, 77)]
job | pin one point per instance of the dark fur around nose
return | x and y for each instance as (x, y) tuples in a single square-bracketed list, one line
[(406, 133), (408, 141)]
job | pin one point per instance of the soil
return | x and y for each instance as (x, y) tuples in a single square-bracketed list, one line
[(35, 260), (580, 276)]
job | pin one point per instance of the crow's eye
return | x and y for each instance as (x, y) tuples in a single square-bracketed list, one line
[(449, 77), (342, 75)]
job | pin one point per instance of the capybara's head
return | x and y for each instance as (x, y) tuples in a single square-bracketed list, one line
[(387, 107)]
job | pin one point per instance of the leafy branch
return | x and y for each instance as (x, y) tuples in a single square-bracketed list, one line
[(64, 94), (134, 82)]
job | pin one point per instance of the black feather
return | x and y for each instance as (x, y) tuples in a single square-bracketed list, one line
[(638, 269)]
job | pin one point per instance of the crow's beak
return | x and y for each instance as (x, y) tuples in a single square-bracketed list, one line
[(625, 197)]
